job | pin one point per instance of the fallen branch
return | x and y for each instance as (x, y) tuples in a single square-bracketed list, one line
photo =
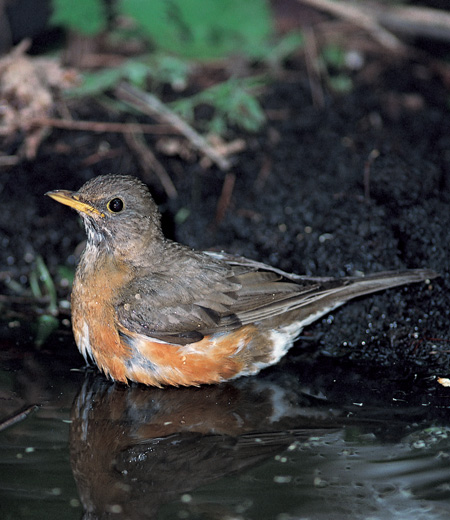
[(18, 417), (382, 20), (313, 67), (149, 163), (357, 15), (9, 160), (104, 126), (225, 197), (416, 21), (151, 105)]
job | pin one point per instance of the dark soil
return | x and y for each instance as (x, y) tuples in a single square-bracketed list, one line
[(298, 202)]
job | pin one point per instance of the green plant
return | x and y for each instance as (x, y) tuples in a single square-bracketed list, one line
[(84, 16), (188, 28), (232, 102), (203, 30), (41, 284), (193, 29), (158, 68), (181, 30), (333, 58)]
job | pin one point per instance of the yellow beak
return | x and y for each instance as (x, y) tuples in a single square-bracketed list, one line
[(69, 198)]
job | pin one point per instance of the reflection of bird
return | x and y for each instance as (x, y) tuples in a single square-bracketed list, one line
[(133, 448), (153, 311)]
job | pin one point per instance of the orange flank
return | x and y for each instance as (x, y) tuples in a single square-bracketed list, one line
[(216, 358)]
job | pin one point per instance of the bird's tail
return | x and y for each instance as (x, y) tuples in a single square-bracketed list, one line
[(333, 293), (361, 285)]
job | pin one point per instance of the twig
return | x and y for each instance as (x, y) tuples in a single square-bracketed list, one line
[(101, 155), (313, 67), (20, 49), (151, 105), (382, 20), (225, 197), (149, 163), (360, 17), (9, 160), (24, 300), (367, 167), (416, 21), (103, 126), (18, 417)]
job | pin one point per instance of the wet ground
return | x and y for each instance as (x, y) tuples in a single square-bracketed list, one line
[(352, 423)]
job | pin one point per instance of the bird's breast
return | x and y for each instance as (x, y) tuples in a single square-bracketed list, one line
[(96, 287)]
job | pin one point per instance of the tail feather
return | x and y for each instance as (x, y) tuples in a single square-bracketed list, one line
[(362, 285), (334, 293)]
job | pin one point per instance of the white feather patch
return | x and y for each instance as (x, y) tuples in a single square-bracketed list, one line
[(84, 344), (284, 337)]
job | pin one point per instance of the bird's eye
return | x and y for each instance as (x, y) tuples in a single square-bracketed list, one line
[(115, 205)]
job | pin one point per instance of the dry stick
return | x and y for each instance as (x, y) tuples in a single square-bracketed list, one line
[(103, 126), (17, 417), (149, 163), (416, 21), (225, 197), (23, 299), (9, 160), (149, 104), (20, 49), (313, 68), (360, 17)]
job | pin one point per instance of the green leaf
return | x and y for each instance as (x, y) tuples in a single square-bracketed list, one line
[(284, 47), (246, 111), (84, 16), (341, 83), (96, 82), (334, 56), (170, 69), (47, 282), (204, 30)]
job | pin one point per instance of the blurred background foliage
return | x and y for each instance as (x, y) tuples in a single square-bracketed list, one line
[(188, 28), (176, 34)]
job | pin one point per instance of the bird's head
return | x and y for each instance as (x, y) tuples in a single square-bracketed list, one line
[(118, 213)]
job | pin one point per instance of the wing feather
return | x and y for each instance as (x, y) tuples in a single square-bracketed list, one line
[(192, 294)]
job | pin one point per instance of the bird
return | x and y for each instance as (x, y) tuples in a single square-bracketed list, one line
[(150, 310)]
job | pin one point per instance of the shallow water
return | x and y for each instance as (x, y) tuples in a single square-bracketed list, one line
[(308, 439)]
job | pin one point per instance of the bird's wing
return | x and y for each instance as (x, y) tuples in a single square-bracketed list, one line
[(206, 293)]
